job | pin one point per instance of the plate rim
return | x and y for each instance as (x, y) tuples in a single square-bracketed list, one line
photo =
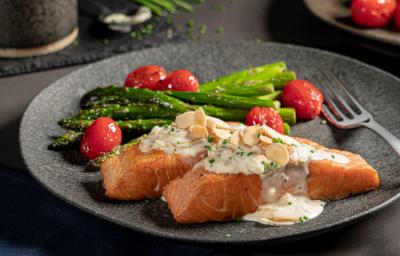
[(153, 232), (353, 31)]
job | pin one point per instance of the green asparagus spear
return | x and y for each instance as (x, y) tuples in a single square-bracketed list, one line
[(244, 75), (251, 90), (225, 114), (286, 128), (222, 100), (96, 102), (141, 95), (66, 140), (132, 111), (272, 96), (280, 81), (288, 115), (129, 125)]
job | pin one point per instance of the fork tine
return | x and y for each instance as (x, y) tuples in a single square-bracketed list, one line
[(347, 93), (340, 99), (330, 115), (328, 99)]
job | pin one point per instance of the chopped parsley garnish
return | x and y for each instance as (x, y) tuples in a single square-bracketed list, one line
[(333, 156), (225, 142), (273, 165), (303, 219), (178, 142), (312, 151), (210, 139), (211, 161), (277, 140), (289, 203), (241, 153), (249, 154)]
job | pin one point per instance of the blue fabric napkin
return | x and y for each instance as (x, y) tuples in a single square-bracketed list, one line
[(34, 222)]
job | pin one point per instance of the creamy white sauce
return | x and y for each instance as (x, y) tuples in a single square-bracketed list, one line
[(172, 140), (231, 159), (287, 210)]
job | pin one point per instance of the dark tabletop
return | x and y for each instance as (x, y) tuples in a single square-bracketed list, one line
[(285, 21)]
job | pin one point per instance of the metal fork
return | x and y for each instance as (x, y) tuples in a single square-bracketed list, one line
[(345, 112)]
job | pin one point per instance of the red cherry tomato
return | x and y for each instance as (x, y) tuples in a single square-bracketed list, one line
[(146, 77), (100, 137), (304, 97), (397, 16), (265, 116), (180, 80), (372, 13)]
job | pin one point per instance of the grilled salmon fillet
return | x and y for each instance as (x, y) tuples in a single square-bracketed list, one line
[(134, 175), (201, 196)]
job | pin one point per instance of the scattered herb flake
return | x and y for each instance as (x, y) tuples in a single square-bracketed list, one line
[(190, 23), (210, 139), (211, 161), (312, 151), (220, 7), (203, 29), (289, 203), (225, 142), (219, 30), (333, 156)]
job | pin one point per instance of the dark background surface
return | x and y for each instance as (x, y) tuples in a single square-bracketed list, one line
[(35, 222)]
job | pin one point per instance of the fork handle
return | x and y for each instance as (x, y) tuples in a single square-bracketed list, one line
[(384, 133)]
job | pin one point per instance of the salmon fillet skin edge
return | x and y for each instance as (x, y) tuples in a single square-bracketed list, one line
[(134, 175)]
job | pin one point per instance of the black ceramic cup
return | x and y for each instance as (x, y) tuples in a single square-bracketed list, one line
[(42, 26)]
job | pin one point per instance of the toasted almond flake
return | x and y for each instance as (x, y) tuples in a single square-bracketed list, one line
[(265, 140), (235, 138), (274, 134), (198, 131), (185, 120), (217, 122), (251, 135), (221, 133), (199, 117), (260, 158), (278, 153)]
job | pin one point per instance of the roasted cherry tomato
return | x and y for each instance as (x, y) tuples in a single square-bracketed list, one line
[(397, 16), (146, 77), (180, 80), (100, 137), (372, 13), (265, 116), (304, 97)]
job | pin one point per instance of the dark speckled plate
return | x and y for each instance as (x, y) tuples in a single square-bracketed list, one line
[(337, 13), (65, 177)]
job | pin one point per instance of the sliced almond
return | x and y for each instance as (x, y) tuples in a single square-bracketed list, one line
[(260, 158), (185, 120), (274, 134), (221, 133), (212, 121), (235, 138), (199, 117), (251, 135), (278, 153), (265, 140), (198, 131)]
